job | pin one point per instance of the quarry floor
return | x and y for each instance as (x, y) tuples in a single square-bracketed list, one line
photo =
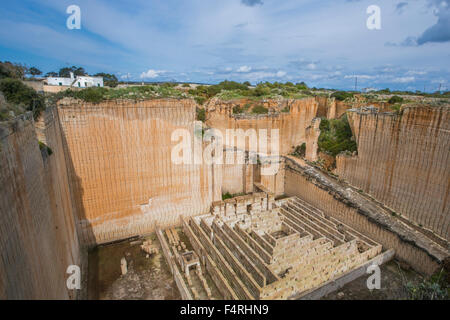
[(394, 276), (146, 279), (150, 278)]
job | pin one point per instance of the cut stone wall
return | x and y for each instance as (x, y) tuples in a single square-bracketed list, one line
[(403, 161), (291, 125), (38, 240), (364, 215), (121, 170)]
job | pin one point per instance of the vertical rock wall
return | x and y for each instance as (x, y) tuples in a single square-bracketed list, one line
[(403, 161), (124, 181), (364, 215), (37, 238), (291, 125)]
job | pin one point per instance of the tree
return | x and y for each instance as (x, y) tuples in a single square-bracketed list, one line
[(109, 80), (341, 95), (51, 74), (34, 71), (12, 70), (18, 93), (77, 71)]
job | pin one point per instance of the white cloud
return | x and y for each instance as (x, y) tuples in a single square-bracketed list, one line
[(151, 74), (281, 73), (244, 69), (412, 72), (360, 76), (403, 79)]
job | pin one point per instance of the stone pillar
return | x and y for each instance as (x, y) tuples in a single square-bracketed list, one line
[(331, 108), (248, 177), (312, 137), (123, 266)]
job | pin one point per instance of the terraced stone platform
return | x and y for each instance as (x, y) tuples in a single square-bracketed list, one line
[(253, 247)]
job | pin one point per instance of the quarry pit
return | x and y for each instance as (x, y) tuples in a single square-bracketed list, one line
[(110, 200)]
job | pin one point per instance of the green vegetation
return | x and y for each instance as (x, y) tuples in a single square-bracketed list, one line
[(34, 71), (227, 195), (342, 95), (97, 94), (237, 110), (201, 114), (229, 90), (300, 151), (19, 98), (77, 71), (336, 136), (435, 288), (45, 148), (109, 80), (12, 70), (395, 99), (259, 109)]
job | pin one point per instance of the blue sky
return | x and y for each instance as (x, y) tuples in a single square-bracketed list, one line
[(324, 43)]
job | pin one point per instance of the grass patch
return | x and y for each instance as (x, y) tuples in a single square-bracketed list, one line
[(259, 109), (434, 288), (228, 195)]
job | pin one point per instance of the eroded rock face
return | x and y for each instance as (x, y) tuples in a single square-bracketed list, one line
[(403, 161)]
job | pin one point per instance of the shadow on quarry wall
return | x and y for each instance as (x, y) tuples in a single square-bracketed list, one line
[(83, 225)]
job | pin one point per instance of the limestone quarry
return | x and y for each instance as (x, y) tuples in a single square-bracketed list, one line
[(109, 199)]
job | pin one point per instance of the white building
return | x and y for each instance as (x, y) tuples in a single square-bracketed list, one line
[(367, 90), (78, 82)]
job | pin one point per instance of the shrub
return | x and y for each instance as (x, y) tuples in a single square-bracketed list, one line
[(19, 94), (200, 100), (259, 109), (341, 95), (261, 90), (226, 196), (109, 80), (395, 99), (336, 136), (300, 151), (201, 114), (237, 110), (94, 94), (435, 288)]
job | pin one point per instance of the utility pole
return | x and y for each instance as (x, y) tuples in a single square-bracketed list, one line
[(440, 84), (356, 83)]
